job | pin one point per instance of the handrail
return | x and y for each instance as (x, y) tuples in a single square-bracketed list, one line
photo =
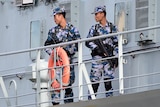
[(81, 40)]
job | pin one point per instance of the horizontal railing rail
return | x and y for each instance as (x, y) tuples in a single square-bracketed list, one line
[(79, 41)]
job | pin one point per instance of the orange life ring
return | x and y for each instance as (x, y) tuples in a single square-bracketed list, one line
[(62, 61)]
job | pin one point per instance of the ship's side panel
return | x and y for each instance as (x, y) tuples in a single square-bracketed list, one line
[(18, 27)]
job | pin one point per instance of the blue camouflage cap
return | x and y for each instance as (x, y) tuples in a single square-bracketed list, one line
[(58, 10), (99, 9)]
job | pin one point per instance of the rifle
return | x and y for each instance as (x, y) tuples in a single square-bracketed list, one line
[(101, 46)]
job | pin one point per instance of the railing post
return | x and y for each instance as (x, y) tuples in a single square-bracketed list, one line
[(4, 90), (15, 87), (80, 70), (61, 87), (120, 57), (38, 77)]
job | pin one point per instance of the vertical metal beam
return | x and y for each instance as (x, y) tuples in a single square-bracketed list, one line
[(4, 91), (152, 17), (61, 87), (120, 57), (75, 11), (80, 70), (38, 77)]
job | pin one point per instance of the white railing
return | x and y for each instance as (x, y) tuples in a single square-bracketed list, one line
[(82, 70)]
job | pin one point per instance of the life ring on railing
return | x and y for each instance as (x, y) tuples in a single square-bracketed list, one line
[(63, 60)]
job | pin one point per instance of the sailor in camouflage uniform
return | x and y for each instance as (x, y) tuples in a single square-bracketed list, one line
[(63, 32), (102, 68)]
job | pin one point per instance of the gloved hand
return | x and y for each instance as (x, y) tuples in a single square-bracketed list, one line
[(115, 62), (98, 51)]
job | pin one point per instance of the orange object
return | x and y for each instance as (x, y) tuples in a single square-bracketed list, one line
[(63, 61)]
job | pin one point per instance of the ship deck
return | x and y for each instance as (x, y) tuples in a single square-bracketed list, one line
[(141, 99)]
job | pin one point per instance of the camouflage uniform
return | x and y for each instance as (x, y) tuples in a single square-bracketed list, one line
[(101, 68), (59, 35)]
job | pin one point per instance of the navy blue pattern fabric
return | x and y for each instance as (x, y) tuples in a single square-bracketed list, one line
[(100, 68), (58, 35)]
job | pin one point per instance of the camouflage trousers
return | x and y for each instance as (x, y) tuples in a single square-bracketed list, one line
[(101, 69)]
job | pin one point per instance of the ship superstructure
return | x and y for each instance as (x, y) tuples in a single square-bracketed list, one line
[(24, 79)]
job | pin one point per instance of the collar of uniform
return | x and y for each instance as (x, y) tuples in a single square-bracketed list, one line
[(67, 26), (107, 25)]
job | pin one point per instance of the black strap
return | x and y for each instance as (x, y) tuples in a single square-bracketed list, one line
[(97, 26), (111, 26)]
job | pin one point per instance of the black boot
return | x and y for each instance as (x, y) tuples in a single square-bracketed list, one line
[(68, 94), (108, 87)]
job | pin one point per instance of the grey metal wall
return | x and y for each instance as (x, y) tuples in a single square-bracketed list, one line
[(15, 35)]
